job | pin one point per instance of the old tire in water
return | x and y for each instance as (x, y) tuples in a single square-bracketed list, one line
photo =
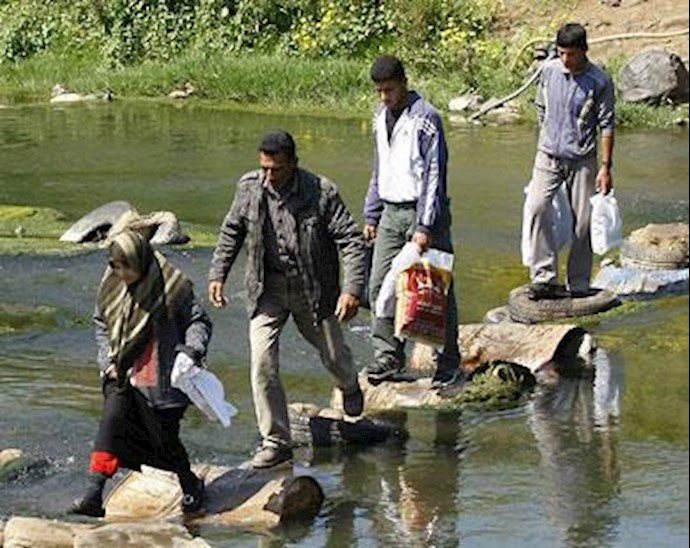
[(657, 247), (94, 226), (497, 315), (647, 257), (523, 309)]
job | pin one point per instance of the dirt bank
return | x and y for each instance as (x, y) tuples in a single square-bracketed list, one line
[(605, 18)]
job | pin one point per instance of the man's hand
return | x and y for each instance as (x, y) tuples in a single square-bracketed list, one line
[(347, 307), (215, 295), (422, 240), (604, 181), (369, 233)]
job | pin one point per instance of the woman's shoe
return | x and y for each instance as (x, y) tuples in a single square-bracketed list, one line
[(193, 498)]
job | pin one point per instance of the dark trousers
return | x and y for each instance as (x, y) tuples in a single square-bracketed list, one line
[(135, 433)]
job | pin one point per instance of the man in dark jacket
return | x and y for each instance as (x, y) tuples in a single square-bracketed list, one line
[(295, 224)]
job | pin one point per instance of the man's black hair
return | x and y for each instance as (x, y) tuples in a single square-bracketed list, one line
[(388, 67), (278, 142), (572, 35)]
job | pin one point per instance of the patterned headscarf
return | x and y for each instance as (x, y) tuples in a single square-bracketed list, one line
[(129, 310)]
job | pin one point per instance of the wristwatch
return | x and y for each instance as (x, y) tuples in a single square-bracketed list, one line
[(607, 163)]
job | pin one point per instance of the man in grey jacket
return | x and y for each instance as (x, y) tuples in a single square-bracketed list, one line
[(295, 225), (575, 101)]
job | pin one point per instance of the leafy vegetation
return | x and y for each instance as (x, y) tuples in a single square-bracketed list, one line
[(299, 54)]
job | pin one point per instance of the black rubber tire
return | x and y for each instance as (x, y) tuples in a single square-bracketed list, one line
[(652, 257), (524, 310)]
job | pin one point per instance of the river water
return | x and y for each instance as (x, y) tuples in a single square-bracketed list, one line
[(578, 464)]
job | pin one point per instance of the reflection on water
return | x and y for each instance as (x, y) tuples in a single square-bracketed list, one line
[(582, 464), (574, 424)]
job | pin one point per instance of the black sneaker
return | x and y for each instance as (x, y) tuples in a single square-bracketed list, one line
[(193, 499), (88, 506), (538, 291), (91, 504), (443, 379), (353, 402), (377, 372)]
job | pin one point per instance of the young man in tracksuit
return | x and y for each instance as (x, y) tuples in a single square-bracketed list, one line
[(407, 201)]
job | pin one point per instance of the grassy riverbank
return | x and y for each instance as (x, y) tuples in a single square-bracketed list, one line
[(261, 82)]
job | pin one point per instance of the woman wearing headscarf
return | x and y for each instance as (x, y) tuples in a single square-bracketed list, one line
[(147, 319)]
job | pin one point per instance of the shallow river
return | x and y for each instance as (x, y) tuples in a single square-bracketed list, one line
[(583, 464)]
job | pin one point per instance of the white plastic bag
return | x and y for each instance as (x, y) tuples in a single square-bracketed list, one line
[(606, 225), (203, 388), (562, 217)]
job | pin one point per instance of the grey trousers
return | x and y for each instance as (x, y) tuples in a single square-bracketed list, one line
[(396, 227), (281, 298), (547, 176)]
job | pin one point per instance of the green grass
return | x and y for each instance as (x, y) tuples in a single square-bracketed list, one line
[(265, 83)]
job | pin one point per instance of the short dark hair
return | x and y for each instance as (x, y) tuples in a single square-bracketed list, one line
[(388, 67), (572, 35), (278, 142)]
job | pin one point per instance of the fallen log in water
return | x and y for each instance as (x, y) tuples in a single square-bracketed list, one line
[(140, 507), (526, 349), (242, 497), (530, 346)]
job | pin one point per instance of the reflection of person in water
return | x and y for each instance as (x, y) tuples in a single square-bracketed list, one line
[(415, 489), (574, 422)]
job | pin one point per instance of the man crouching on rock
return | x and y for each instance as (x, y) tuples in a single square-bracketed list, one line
[(294, 223)]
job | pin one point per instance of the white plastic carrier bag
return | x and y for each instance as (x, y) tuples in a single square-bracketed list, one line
[(203, 388), (606, 225)]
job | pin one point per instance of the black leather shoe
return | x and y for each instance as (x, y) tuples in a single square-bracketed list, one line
[(544, 291), (353, 402)]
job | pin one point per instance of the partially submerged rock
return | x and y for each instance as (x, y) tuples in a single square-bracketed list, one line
[(45, 533), (326, 427), (41, 533), (14, 463), (159, 227)]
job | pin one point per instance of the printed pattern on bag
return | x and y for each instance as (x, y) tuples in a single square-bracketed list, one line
[(421, 303)]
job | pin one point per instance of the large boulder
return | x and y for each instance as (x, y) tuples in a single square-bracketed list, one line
[(654, 76)]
